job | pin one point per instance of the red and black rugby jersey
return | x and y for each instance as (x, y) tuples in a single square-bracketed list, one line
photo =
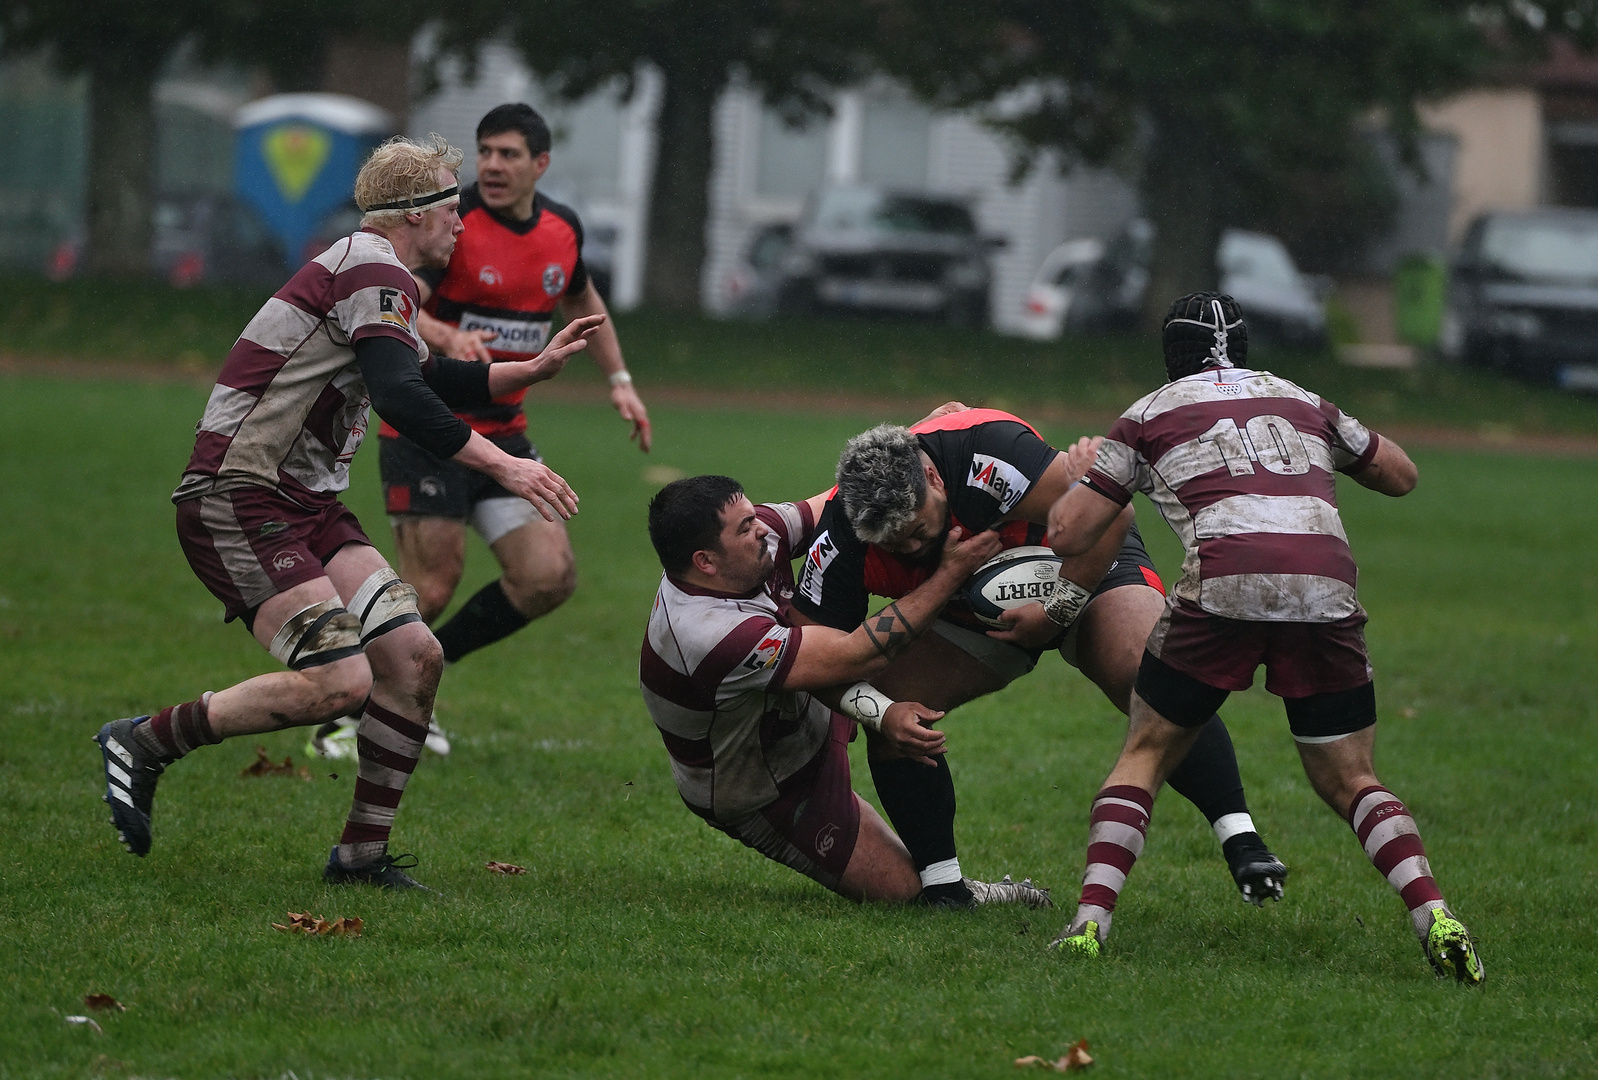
[(506, 276), (988, 459)]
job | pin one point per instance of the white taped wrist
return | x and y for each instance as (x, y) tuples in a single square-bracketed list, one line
[(620, 378), (865, 703), (1066, 602)]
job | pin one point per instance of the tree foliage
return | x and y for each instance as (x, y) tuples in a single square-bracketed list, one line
[(1230, 111), (123, 46)]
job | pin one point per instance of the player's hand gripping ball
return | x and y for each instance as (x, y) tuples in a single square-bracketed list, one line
[(1013, 578)]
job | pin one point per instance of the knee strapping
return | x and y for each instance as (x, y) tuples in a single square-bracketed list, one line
[(382, 603), (318, 634)]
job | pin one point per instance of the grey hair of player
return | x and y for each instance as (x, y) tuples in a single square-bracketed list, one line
[(882, 482)]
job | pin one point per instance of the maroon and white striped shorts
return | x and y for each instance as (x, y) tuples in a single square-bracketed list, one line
[(250, 544), (813, 825), (1301, 659)]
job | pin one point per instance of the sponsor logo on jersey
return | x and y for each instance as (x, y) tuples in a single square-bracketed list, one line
[(514, 335), (394, 306), (431, 486), (554, 279), (489, 276), (827, 838), (817, 559), (998, 478), (765, 654), (285, 560)]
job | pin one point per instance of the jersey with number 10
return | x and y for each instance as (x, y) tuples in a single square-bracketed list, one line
[(1241, 464)]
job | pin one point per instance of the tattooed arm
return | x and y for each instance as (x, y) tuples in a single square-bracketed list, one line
[(830, 658)]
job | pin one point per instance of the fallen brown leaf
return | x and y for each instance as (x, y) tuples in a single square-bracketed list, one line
[(103, 1001), (506, 868), (303, 922), (265, 766), (1075, 1058)]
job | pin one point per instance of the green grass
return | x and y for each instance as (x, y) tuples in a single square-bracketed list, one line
[(642, 943), (1086, 376)]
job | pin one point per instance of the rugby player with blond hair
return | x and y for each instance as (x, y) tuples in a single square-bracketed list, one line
[(260, 522)]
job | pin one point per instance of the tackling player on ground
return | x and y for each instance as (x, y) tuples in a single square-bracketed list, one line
[(1241, 463), (260, 522), (744, 700), (518, 263), (899, 492)]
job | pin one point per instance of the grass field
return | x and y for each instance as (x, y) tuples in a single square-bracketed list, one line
[(641, 943)]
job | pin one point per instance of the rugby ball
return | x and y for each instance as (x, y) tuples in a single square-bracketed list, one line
[(1011, 579)]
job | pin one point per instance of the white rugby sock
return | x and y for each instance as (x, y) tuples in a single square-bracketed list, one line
[(1229, 825)]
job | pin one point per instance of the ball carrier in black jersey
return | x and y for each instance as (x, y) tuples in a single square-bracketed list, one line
[(517, 265), (899, 492)]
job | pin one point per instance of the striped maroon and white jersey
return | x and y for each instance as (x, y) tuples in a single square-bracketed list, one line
[(290, 407), (712, 672), (1240, 463)]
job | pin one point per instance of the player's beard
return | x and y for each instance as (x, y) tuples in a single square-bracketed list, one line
[(932, 554)]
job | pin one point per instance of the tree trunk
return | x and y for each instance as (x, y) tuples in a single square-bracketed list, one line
[(121, 164), (1182, 181), (680, 195)]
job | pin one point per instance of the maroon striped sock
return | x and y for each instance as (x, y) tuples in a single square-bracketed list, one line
[(389, 745), (1116, 829), (176, 730), (1392, 843)]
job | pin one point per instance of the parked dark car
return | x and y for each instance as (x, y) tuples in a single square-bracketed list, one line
[(866, 249), (754, 282), (1523, 296)]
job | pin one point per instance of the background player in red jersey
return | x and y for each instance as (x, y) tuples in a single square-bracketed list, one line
[(518, 263), (1242, 465), (899, 492)]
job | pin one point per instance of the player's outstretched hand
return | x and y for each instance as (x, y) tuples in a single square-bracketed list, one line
[(572, 339), (539, 485), (963, 554), (1026, 627), (907, 725), (1080, 455)]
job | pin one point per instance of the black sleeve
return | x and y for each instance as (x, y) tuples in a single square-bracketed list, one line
[(988, 469), (402, 397), (460, 384), (832, 582), (579, 282), (432, 275)]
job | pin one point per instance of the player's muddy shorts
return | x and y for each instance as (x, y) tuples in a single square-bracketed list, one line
[(813, 825), (1300, 659), (416, 482), (1132, 566), (248, 545)]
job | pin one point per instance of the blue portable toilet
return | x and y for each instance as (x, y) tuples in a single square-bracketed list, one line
[(295, 160)]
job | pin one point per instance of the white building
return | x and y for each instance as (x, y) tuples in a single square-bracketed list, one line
[(764, 170)]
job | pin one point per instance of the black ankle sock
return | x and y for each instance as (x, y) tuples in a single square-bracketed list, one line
[(1208, 776), (919, 802), (482, 620)]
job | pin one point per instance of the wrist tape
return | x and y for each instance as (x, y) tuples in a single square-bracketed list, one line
[(865, 703), (1066, 602)]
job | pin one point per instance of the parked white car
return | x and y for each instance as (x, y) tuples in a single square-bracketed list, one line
[(1048, 299), (1093, 285)]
